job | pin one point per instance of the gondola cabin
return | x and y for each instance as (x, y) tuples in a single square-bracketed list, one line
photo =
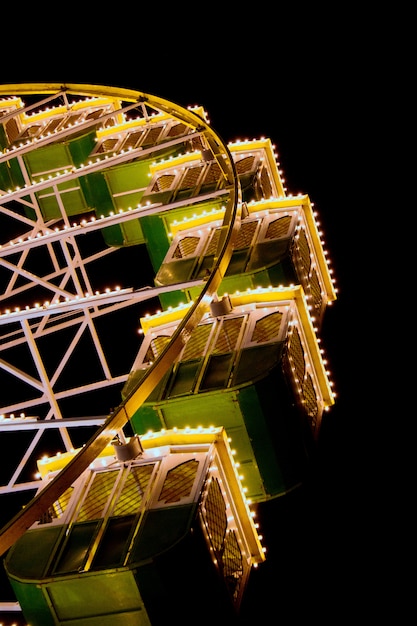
[(278, 244), (158, 529)]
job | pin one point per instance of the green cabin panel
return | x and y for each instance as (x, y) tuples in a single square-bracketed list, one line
[(113, 235), (156, 237), (41, 551), (129, 179), (81, 148), (208, 409), (272, 276), (100, 200), (35, 603), (48, 159), (76, 547), (177, 298), (148, 417), (95, 596), (58, 157), (4, 142), (132, 233), (125, 185), (92, 599), (10, 175), (287, 428), (184, 378), (72, 199), (177, 271), (97, 194)]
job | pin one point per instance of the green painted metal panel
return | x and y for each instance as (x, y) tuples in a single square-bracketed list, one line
[(4, 142), (239, 282), (72, 199), (34, 603), (83, 599), (56, 156), (132, 618), (97, 193), (41, 543), (176, 298), (126, 234), (283, 273), (132, 233), (271, 425), (137, 617), (11, 175), (129, 177), (99, 198), (183, 585), (81, 147), (284, 418), (186, 411), (157, 239), (237, 264), (50, 158), (147, 418), (267, 253), (264, 450), (113, 235), (60, 156), (205, 409)]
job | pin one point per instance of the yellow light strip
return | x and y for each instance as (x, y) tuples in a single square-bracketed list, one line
[(216, 214), (149, 440), (12, 103), (126, 125)]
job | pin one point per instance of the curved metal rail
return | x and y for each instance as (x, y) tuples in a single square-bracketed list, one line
[(121, 415)]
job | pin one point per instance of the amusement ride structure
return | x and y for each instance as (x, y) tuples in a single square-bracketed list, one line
[(146, 265)]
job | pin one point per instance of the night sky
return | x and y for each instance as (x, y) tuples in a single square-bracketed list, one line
[(304, 91)]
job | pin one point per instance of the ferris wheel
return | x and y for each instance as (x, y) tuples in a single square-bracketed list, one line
[(102, 191), (56, 170)]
